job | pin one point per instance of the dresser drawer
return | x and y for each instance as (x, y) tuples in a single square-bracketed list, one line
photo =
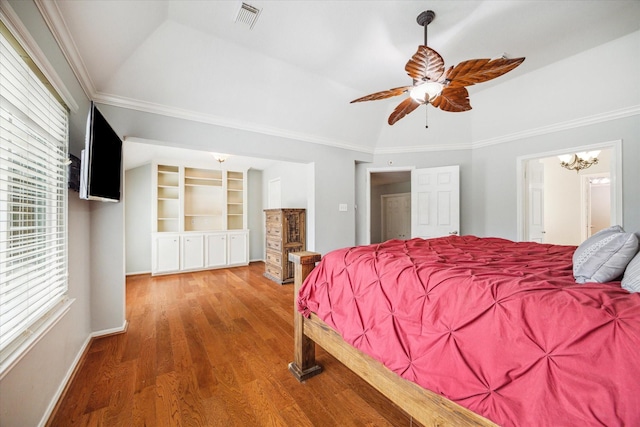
[(274, 258), (273, 216), (273, 271), (274, 244), (274, 232)]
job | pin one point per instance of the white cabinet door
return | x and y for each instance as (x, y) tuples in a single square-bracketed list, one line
[(166, 254), (238, 253), (217, 250), (192, 252)]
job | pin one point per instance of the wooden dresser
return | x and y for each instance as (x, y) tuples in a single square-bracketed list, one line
[(286, 232)]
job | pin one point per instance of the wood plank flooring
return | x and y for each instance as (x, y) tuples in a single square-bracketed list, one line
[(211, 349)]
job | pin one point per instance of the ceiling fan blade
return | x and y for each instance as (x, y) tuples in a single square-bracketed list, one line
[(384, 94), (426, 63), (404, 108), (454, 99), (474, 71)]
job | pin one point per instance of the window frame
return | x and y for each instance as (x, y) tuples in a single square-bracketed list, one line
[(39, 196)]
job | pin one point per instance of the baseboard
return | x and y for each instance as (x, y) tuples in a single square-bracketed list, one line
[(112, 331), (66, 382), (137, 273)]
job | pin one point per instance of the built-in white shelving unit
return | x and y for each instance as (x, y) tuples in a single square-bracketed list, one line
[(199, 218)]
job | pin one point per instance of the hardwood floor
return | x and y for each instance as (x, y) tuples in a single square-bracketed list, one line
[(211, 349)]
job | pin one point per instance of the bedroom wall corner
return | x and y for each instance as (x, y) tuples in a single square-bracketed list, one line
[(137, 206)]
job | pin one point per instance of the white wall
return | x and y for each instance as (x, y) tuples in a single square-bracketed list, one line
[(564, 115), (255, 202), (138, 220), (552, 109), (107, 268), (528, 120), (30, 389), (294, 192)]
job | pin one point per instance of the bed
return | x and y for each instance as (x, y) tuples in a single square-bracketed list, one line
[(464, 330)]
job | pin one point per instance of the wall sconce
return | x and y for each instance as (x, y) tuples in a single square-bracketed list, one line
[(579, 161)]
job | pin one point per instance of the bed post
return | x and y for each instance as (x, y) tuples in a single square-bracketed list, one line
[(304, 357)]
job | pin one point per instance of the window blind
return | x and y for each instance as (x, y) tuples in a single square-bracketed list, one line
[(33, 200)]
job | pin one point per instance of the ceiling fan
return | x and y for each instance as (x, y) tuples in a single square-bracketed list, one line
[(432, 84)]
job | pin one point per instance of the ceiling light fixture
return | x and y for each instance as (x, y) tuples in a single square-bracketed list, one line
[(579, 161), (220, 158)]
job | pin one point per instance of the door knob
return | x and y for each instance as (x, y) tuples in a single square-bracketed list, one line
[(453, 233)]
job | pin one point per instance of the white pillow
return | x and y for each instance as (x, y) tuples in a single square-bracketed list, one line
[(604, 256), (631, 278)]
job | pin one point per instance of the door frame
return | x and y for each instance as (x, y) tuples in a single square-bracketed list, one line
[(616, 180), (368, 192), (383, 217), (586, 200)]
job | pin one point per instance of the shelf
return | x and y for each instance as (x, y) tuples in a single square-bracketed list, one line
[(199, 199)]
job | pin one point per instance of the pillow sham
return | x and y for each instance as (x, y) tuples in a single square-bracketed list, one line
[(604, 256), (631, 278)]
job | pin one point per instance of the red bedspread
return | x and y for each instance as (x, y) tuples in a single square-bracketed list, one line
[(499, 327)]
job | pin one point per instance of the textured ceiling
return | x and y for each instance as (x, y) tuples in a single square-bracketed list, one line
[(295, 72)]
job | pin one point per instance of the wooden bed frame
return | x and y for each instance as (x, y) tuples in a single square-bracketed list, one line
[(424, 406)]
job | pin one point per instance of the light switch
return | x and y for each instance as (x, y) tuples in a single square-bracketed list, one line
[(342, 207)]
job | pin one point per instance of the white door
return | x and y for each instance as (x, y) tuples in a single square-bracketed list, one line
[(435, 202), (535, 208), (396, 216), (216, 250), (192, 252)]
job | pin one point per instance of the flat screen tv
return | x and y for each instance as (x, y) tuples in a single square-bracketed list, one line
[(101, 160)]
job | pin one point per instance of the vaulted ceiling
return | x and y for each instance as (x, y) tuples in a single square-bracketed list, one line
[(294, 73)]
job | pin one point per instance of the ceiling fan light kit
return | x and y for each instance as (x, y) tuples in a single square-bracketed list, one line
[(440, 87)]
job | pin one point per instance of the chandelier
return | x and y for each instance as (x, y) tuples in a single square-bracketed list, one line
[(579, 161)]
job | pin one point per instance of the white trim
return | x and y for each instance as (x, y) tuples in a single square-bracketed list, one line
[(53, 18), (616, 179), (368, 193), (569, 124), (423, 149), (63, 384), (195, 116), (110, 331), (153, 108), (136, 273), (20, 32), (36, 335)]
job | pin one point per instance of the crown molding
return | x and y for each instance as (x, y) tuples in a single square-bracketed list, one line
[(153, 108), (557, 127), (422, 149), (58, 27), (516, 136), (30, 46)]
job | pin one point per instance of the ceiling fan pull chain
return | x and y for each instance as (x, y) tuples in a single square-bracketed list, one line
[(426, 118)]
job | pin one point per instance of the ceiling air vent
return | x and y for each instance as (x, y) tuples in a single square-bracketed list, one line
[(247, 14)]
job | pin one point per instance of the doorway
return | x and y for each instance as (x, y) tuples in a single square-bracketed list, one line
[(596, 206), (384, 182), (396, 216), (558, 206)]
